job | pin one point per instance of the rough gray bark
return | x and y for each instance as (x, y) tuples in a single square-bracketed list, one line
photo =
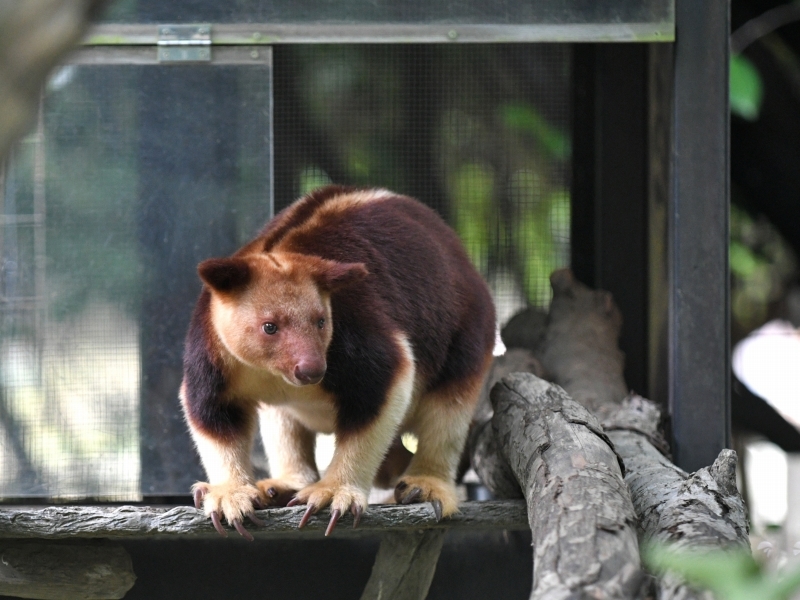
[(578, 350), (515, 360), (701, 510), (579, 509), (58, 522), (487, 460), (57, 571), (405, 565), (34, 36)]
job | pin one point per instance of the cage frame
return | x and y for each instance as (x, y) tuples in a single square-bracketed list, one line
[(651, 166)]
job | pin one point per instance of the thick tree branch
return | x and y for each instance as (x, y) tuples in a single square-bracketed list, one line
[(35, 35), (59, 522), (577, 348), (579, 510)]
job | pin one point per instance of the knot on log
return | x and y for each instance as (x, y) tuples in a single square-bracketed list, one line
[(724, 472)]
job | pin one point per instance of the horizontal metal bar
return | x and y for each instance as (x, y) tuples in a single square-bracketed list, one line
[(34, 219), (184, 42), (15, 301), (236, 34), (148, 55)]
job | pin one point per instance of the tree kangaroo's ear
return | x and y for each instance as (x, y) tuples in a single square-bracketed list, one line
[(224, 274), (331, 275)]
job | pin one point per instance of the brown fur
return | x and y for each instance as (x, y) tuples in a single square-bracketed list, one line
[(354, 312)]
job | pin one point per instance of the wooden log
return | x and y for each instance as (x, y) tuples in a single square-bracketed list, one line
[(697, 511), (58, 522), (703, 509), (515, 360), (579, 352), (486, 458), (579, 510), (35, 35), (59, 571), (405, 565)]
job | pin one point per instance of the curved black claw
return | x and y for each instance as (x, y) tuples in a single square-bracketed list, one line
[(256, 521), (357, 511), (217, 524), (335, 514), (272, 492), (312, 509), (437, 509), (412, 497), (237, 525), (259, 504), (399, 489), (293, 502), (199, 494)]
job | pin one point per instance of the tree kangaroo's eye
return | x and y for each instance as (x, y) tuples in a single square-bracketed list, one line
[(321, 323), (269, 328)]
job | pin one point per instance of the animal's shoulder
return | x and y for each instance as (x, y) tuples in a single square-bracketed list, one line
[(298, 213)]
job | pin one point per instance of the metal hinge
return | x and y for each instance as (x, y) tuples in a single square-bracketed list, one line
[(184, 43)]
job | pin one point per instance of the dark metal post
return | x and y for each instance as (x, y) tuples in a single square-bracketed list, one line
[(699, 352)]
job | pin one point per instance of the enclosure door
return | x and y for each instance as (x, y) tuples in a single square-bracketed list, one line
[(137, 171)]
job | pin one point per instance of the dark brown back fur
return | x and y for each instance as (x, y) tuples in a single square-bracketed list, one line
[(421, 284), (421, 281)]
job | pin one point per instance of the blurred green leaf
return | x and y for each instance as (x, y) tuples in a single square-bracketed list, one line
[(525, 118), (730, 574), (744, 261), (746, 88), (312, 178), (472, 186)]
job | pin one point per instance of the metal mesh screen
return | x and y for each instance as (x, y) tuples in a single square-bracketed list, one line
[(136, 173), (133, 175), (479, 132)]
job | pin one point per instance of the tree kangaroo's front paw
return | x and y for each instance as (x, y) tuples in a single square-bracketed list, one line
[(426, 488), (234, 501), (340, 497), (277, 492)]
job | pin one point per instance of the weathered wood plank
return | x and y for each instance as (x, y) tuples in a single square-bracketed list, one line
[(405, 565), (64, 571), (57, 522)]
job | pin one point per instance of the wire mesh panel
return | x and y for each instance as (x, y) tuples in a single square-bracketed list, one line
[(480, 133), (135, 174)]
